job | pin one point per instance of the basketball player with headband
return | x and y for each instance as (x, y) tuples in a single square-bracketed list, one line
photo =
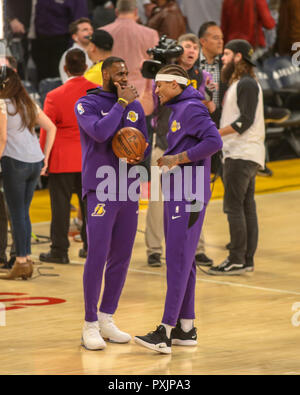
[(111, 224), (192, 138)]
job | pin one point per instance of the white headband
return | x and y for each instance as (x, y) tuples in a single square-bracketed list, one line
[(170, 78)]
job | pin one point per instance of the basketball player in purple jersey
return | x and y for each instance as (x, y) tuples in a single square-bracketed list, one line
[(111, 221), (192, 138)]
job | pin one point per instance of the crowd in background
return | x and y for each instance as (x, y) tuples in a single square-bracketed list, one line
[(40, 33)]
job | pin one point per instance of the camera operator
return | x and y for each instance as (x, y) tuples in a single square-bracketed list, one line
[(186, 55)]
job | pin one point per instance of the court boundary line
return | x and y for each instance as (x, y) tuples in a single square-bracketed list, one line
[(229, 283)]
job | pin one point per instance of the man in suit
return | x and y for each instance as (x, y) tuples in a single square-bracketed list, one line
[(65, 160)]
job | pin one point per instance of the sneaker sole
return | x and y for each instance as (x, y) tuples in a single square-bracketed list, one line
[(154, 264), (233, 273), (115, 341), (249, 269), (204, 264), (188, 343), (165, 350), (92, 349)]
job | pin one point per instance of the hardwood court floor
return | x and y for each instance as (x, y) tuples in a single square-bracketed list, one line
[(244, 322)]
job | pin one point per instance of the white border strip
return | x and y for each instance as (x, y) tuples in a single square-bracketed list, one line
[(281, 291)]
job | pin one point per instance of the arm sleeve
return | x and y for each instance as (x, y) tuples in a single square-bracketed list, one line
[(264, 14), (99, 128), (247, 100), (206, 131), (50, 109)]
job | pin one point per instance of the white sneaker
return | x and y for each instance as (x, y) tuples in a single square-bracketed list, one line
[(91, 338), (111, 332)]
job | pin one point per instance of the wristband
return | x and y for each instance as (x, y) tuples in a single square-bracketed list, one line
[(122, 101)]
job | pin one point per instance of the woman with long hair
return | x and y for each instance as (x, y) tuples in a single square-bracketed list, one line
[(22, 161)]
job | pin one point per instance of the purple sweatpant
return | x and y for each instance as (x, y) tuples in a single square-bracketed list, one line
[(182, 232), (111, 230)]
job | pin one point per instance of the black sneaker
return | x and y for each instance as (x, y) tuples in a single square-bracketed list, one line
[(181, 338), (157, 340), (3, 261), (203, 260), (9, 264), (52, 258), (154, 260), (266, 172), (227, 268)]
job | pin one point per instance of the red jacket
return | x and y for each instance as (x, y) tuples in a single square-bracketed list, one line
[(59, 106), (246, 23)]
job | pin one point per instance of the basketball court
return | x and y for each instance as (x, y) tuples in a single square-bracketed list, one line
[(247, 324)]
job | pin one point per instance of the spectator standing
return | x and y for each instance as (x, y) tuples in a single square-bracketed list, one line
[(131, 40), (211, 42), (245, 19), (64, 167), (167, 19), (11, 62), (198, 12), (52, 20), (288, 31), (242, 129), (21, 161), (79, 30), (99, 49)]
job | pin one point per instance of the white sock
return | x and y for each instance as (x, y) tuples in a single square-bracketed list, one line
[(168, 329), (186, 325)]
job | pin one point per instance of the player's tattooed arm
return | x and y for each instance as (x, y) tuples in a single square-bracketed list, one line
[(173, 160)]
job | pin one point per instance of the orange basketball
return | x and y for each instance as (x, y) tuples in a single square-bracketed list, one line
[(129, 143)]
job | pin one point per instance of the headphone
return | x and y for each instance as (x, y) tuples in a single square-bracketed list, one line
[(3, 75)]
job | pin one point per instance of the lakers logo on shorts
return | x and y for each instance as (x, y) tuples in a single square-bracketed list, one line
[(175, 126), (132, 116), (99, 210)]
